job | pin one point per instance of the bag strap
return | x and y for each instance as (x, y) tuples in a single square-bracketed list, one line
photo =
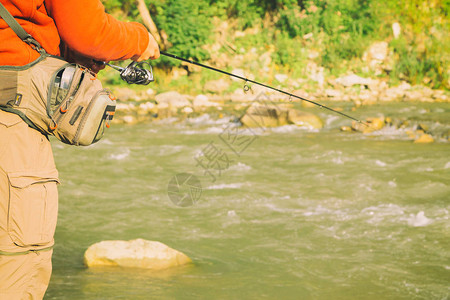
[(21, 33)]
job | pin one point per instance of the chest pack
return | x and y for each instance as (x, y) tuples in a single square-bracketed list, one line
[(55, 97)]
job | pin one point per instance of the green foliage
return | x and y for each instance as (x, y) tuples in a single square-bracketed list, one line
[(416, 65), (340, 30), (248, 12), (188, 25), (288, 51), (343, 25)]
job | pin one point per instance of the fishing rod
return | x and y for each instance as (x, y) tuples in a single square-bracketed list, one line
[(137, 74), (260, 84)]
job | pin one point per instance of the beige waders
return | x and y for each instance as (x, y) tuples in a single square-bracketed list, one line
[(28, 209)]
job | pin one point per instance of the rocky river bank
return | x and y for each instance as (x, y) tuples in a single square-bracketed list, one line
[(260, 107)]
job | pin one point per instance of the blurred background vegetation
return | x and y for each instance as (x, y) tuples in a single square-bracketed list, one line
[(332, 34)]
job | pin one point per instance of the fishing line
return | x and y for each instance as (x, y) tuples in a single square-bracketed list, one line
[(246, 80)]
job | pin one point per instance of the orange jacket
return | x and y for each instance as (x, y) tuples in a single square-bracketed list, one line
[(82, 25)]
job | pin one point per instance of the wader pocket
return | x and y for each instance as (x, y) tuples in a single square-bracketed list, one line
[(33, 207)]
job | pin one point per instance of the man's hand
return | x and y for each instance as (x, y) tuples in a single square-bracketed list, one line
[(152, 51)]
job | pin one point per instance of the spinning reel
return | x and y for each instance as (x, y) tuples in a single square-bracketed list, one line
[(135, 73)]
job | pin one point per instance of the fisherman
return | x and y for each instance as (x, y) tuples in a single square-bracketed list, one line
[(81, 31)]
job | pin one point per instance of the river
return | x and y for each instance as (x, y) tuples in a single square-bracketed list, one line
[(282, 213)]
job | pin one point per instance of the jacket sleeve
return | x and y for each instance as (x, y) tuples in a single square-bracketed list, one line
[(85, 27)]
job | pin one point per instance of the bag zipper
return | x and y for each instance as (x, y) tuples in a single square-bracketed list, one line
[(61, 113), (86, 114), (51, 86)]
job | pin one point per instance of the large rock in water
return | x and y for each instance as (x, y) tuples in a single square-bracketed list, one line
[(258, 115), (304, 119), (424, 139), (137, 253)]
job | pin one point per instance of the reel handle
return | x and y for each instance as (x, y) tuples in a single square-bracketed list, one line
[(135, 73)]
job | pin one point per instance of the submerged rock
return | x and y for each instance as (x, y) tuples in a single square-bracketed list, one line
[(347, 129), (424, 139), (137, 253)]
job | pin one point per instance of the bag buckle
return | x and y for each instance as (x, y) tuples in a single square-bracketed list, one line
[(34, 44), (109, 117)]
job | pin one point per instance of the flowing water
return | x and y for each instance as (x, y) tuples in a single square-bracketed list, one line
[(289, 214)]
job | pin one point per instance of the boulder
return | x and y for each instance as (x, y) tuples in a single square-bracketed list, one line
[(313, 54), (164, 110), (173, 99), (316, 73), (440, 95), (146, 108), (377, 52), (125, 94), (216, 86), (346, 128), (258, 115), (264, 116), (125, 107), (374, 125), (424, 139), (203, 101), (376, 56), (187, 110), (149, 92), (396, 92), (411, 134), (281, 77), (353, 79), (266, 59), (396, 30), (237, 72), (332, 93), (129, 119), (137, 253), (239, 95), (303, 94), (179, 72), (304, 119)]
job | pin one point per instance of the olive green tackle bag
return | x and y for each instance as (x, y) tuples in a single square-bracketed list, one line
[(55, 97)]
